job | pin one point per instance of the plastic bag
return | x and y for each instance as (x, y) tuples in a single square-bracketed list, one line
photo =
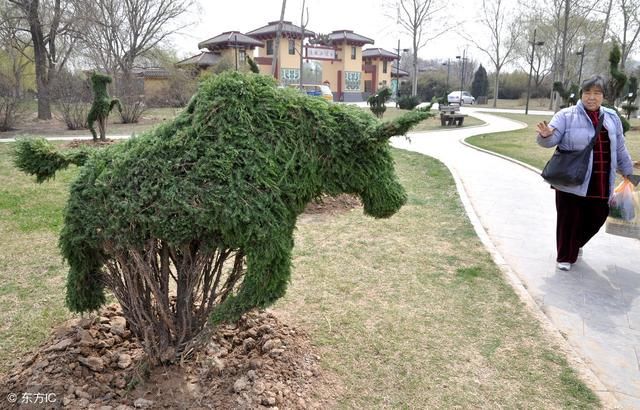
[(623, 203)]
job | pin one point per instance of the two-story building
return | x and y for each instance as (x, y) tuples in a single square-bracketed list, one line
[(289, 49), (378, 64), (339, 62)]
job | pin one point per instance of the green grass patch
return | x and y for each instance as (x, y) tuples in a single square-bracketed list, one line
[(521, 144)]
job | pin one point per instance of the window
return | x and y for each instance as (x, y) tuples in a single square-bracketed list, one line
[(292, 47), (384, 66), (242, 56), (353, 53), (269, 47)]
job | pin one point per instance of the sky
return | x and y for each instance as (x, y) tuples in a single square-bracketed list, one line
[(366, 17)]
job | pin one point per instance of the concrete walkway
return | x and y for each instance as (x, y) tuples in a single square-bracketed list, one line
[(596, 305)]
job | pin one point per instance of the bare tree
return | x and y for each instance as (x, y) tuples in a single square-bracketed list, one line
[(121, 32), (572, 25), (124, 30), (16, 45), (276, 48), (51, 26), (504, 29), (601, 55), (629, 29), (414, 17), (542, 65)]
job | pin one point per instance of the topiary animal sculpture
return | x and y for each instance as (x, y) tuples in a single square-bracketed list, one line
[(195, 219), (376, 101), (101, 106)]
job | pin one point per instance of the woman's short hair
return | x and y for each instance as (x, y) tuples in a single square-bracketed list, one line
[(593, 82)]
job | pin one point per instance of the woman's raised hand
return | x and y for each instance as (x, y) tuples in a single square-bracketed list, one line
[(544, 129)]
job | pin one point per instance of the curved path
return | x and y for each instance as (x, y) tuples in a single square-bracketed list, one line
[(594, 309)]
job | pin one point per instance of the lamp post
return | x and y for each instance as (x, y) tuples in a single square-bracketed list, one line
[(397, 90), (581, 54), (533, 47), (446, 87), (395, 97), (462, 59)]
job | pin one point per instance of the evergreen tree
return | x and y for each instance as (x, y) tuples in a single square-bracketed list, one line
[(616, 84), (480, 84), (253, 66)]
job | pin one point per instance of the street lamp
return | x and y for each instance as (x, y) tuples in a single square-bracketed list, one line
[(446, 87), (581, 54), (462, 59), (534, 43), (397, 90)]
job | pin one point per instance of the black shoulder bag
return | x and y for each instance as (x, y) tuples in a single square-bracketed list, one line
[(570, 167)]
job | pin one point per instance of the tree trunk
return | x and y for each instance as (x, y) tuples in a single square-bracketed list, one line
[(414, 80), (496, 89), (40, 57)]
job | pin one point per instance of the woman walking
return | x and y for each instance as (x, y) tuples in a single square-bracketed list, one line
[(582, 209)]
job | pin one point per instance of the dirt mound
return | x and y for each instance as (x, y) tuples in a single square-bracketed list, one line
[(333, 204), (95, 363)]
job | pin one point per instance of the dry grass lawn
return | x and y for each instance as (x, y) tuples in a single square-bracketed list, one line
[(408, 312)]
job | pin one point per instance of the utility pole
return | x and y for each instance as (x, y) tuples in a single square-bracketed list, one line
[(446, 87), (462, 59), (397, 91)]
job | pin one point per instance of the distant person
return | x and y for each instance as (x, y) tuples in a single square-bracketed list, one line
[(583, 209)]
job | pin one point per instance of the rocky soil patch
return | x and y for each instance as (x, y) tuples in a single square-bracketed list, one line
[(95, 363), (332, 204)]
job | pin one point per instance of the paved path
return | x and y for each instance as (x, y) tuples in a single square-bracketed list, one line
[(596, 305), (67, 138)]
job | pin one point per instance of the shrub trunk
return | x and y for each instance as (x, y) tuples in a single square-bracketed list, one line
[(167, 293)]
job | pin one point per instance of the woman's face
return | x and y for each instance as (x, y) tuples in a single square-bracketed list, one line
[(592, 98)]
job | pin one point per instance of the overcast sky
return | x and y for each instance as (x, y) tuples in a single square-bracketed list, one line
[(366, 17)]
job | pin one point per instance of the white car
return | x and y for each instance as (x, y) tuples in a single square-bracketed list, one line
[(454, 97)]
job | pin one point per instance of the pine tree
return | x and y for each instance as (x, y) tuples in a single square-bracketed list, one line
[(480, 84)]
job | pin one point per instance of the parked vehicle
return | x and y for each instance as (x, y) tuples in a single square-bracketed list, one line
[(454, 97)]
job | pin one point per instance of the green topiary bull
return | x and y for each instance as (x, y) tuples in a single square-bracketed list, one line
[(203, 208)]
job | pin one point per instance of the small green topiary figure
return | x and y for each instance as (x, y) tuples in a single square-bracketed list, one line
[(377, 101), (102, 105), (194, 220)]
